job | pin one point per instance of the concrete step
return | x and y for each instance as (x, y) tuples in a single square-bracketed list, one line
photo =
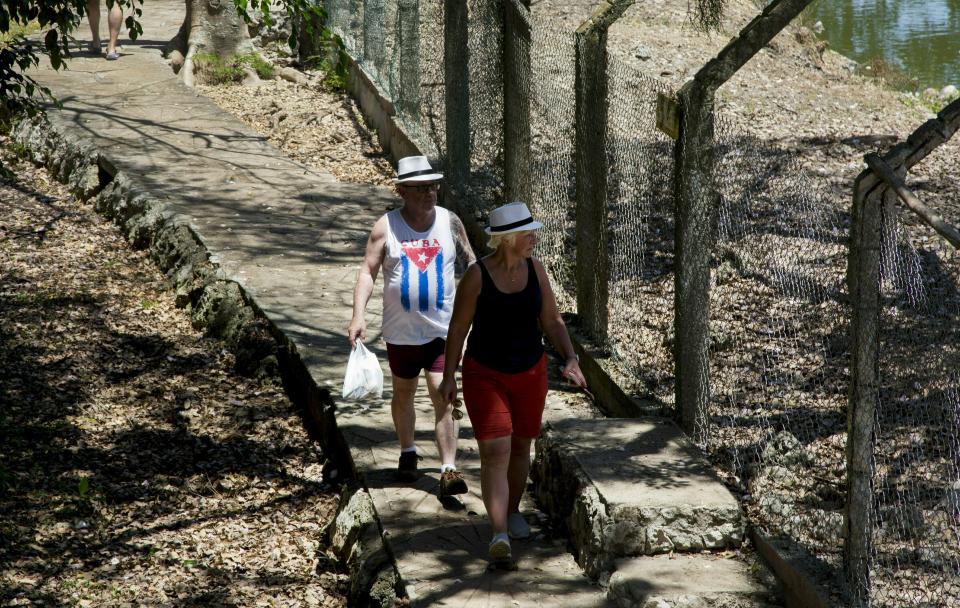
[(687, 581), (629, 487)]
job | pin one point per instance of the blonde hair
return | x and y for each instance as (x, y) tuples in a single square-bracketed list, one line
[(507, 239)]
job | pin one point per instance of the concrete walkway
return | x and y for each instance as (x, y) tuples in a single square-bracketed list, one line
[(292, 237)]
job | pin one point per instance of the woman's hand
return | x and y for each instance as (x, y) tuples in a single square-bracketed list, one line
[(571, 371), (448, 390)]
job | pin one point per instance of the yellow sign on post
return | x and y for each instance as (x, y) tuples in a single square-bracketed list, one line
[(668, 115)]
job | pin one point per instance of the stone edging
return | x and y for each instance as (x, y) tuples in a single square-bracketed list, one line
[(222, 308)]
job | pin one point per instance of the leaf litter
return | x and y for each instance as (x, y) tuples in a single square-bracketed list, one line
[(137, 468)]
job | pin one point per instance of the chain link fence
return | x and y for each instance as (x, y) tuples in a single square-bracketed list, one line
[(916, 468), (641, 206), (552, 170), (778, 343), (779, 352)]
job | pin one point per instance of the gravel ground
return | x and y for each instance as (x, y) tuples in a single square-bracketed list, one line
[(310, 124), (137, 468)]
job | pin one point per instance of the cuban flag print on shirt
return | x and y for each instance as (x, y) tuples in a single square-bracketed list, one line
[(421, 262)]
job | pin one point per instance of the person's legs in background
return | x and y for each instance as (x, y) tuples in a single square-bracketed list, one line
[(93, 17), (114, 20)]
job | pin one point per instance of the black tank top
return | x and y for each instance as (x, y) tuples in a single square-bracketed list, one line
[(506, 333)]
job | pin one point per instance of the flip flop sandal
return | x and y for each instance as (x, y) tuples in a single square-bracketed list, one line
[(113, 55)]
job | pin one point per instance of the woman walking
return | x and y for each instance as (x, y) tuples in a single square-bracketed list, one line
[(507, 299)]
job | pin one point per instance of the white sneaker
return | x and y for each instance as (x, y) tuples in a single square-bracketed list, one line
[(499, 548), (518, 526)]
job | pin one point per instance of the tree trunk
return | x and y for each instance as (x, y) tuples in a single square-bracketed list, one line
[(210, 26)]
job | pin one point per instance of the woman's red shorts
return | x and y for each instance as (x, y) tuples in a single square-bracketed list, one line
[(500, 404)]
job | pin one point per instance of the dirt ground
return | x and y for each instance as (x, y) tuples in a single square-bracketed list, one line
[(136, 468)]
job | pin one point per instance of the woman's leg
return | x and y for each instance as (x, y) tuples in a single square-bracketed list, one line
[(494, 486), (114, 19), (518, 471)]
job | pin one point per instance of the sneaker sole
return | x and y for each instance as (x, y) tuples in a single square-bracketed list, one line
[(458, 489), (500, 552)]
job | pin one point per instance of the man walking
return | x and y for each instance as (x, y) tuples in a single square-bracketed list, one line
[(417, 245)]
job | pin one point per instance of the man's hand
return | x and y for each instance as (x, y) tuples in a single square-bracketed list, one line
[(357, 331)]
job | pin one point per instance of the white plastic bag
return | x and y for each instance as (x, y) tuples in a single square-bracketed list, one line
[(364, 375)]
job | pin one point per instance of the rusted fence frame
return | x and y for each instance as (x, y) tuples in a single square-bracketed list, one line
[(408, 45), (592, 272), (928, 215), (697, 197), (516, 100), (875, 192), (456, 75)]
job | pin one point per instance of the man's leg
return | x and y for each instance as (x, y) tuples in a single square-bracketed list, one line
[(401, 407), (93, 17), (447, 429), (114, 19)]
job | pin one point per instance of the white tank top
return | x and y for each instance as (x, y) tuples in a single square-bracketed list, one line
[(418, 280)]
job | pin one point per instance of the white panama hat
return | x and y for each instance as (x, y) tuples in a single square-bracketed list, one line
[(512, 217), (412, 169)]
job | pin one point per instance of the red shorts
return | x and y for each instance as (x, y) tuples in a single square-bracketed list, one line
[(407, 361), (501, 405)]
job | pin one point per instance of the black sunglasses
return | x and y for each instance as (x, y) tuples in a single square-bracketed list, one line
[(422, 187)]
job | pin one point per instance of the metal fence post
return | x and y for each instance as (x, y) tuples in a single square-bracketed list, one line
[(864, 283), (516, 101), (408, 16), (592, 271), (696, 206), (456, 69)]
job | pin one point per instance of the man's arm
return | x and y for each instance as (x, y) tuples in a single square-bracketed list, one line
[(465, 254), (366, 276)]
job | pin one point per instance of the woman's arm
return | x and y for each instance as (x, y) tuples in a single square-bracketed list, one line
[(556, 330), (464, 307)]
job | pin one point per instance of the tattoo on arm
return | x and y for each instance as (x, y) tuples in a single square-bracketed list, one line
[(465, 255)]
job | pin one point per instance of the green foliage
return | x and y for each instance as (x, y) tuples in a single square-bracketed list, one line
[(213, 69), (261, 66), (333, 64), (83, 487), (930, 104)]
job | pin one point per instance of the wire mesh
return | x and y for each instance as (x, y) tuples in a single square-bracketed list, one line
[(778, 348), (485, 44), (641, 208), (427, 126), (552, 171), (345, 19), (779, 317), (916, 476)]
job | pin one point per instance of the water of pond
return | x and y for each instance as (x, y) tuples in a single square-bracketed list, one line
[(922, 37)]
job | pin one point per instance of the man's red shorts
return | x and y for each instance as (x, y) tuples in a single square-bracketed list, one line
[(501, 405), (408, 361)]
